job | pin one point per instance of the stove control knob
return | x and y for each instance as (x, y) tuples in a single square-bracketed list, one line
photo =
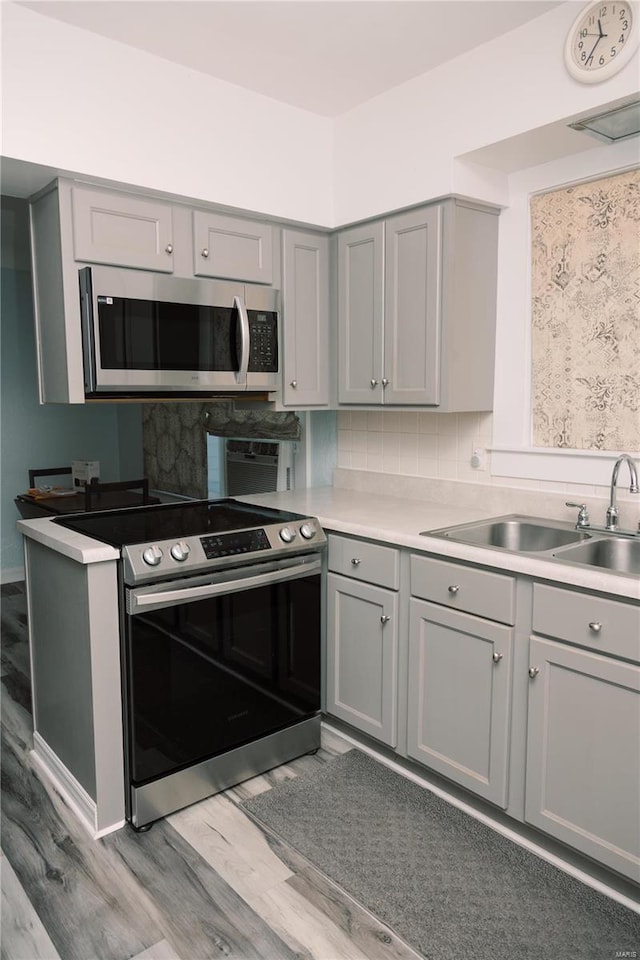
[(180, 551), (152, 555), (307, 530), (287, 534)]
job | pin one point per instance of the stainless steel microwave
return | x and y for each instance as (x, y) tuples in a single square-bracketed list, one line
[(147, 332)]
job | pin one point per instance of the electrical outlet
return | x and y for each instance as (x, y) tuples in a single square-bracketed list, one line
[(478, 458)]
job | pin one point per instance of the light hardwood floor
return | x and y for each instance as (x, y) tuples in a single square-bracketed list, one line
[(205, 882)]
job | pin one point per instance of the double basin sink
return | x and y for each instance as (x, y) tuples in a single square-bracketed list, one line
[(558, 540)]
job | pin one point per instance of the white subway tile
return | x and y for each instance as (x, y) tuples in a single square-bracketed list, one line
[(375, 420)]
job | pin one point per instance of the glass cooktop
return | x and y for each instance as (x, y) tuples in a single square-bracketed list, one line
[(176, 521)]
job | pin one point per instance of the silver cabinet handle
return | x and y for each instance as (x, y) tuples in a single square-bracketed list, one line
[(374, 383), (595, 626), (453, 589), (497, 657), (169, 248), (384, 619), (204, 253), (294, 384), (355, 562), (385, 382), (533, 672)]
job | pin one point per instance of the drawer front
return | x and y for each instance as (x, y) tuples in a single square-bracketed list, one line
[(490, 595), (361, 560), (609, 626)]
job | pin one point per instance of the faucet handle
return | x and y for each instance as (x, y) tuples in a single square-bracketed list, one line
[(583, 516)]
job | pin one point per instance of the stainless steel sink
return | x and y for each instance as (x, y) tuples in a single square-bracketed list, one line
[(513, 533), (614, 553)]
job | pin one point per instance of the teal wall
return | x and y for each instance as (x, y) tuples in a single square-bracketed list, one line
[(324, 444), (54, 434)]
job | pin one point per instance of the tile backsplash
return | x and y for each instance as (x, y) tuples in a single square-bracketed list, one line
[(422, 444), (437, 446)]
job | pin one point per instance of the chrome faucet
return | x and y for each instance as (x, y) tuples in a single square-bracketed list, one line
[(612, 510)]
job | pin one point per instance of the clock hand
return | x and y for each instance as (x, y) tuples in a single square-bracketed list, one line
[(590, 57)]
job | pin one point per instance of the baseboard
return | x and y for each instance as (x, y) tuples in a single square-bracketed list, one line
[(72, 792), (11, 574)]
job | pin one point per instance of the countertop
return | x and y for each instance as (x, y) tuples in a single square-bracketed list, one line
[(399, 521), (388, 519)]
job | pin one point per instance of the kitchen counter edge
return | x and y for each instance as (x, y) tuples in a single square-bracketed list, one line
[(398, 522)]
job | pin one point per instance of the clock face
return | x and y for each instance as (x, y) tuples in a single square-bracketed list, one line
[(601, 41)]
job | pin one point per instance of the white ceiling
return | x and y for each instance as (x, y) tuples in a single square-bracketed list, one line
[(325, 56)]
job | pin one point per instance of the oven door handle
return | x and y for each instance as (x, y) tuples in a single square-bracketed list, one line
[(142, 599)]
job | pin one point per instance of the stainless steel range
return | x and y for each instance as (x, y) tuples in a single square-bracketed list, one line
[(220, 644)]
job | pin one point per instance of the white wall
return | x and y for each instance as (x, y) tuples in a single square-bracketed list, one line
[(74, 100), (400, 148)]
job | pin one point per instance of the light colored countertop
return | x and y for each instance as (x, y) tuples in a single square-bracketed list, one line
[(394, 520), (67, 542), (399, 521)]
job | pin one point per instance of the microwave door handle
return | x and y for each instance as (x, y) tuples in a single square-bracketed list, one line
[(243, 320)]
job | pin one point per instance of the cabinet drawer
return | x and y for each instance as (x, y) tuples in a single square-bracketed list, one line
[(609, 626), (365, 561), (490, 595)]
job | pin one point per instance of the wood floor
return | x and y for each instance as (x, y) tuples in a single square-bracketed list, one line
[(205, 882)]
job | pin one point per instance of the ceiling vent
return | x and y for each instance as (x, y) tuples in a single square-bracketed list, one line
[(612, 125)]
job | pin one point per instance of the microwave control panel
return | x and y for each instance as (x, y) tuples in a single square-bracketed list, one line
[(263, 333)]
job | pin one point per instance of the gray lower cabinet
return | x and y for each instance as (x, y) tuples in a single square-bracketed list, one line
[(494, 664), (363, 635), (305, 319), (459, 697), (416, 308), (362, 656), (583, 735)]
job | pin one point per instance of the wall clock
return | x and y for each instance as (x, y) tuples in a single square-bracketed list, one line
[(602, 39)]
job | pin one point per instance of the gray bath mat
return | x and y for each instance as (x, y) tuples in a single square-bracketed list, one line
[(449, 885)]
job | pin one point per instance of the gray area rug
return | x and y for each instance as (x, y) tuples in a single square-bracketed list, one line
[(448, 885)]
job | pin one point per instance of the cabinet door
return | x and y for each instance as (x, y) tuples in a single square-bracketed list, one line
[(412, 311), (305, 315), (122, 230), (362, 654), (583, 753), (232, 248), (459, 697), (360, 312)]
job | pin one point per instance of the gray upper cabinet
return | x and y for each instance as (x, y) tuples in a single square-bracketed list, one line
[(122, 230), (417, 307), (232, 248), (413, 266), (305, 317), (360, 313)]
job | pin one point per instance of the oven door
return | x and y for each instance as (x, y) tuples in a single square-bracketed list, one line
[(215, 663)]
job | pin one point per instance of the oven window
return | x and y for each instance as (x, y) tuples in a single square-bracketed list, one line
[(208, 676)]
